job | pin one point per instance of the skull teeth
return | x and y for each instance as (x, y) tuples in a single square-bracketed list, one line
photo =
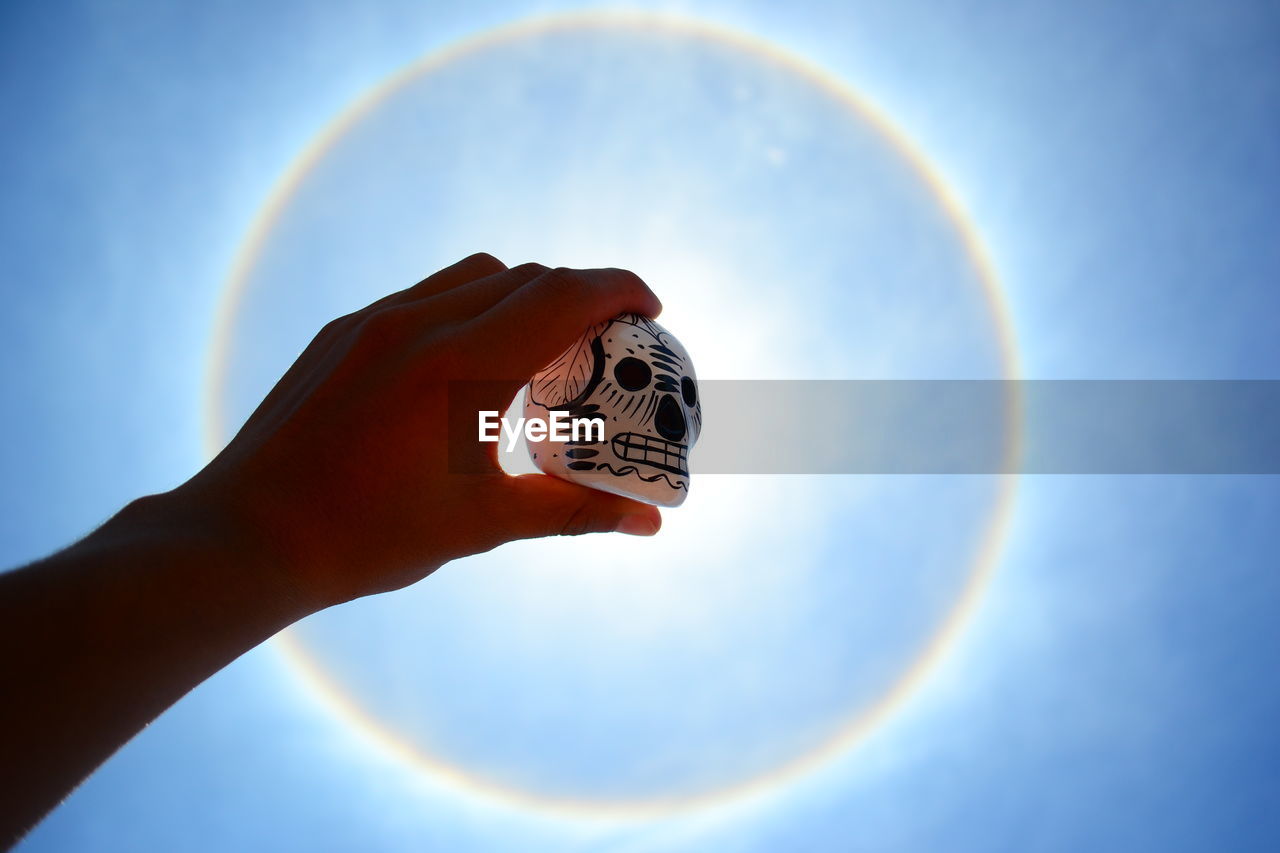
[(655, 452)]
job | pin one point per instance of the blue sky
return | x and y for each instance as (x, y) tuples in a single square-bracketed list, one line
[(1115, 688)]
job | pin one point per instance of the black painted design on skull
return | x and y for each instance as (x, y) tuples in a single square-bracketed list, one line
[(645, 390)]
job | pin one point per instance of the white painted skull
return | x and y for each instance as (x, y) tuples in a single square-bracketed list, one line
[(633, 375)]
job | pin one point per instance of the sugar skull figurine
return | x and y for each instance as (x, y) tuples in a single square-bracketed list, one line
[(633, 381)]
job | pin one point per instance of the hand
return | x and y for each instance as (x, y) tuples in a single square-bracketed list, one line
[(344, 479)]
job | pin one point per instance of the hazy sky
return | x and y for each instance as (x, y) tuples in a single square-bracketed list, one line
[(1115, 687)]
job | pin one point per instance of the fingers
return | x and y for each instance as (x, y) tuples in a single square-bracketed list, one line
[(540, 505), (467, 270), (538, 320), (470, 268), (470, 300)]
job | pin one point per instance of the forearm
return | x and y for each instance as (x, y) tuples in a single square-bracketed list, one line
[(99, 639)]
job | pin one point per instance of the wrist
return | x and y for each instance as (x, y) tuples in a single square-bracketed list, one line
[(210, 540)]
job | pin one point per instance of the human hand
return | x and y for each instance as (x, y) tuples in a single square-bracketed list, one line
[(344, 479)]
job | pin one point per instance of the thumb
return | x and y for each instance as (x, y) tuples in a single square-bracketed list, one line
[(541, 505)]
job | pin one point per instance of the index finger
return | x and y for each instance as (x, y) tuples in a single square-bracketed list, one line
[(527, 329)]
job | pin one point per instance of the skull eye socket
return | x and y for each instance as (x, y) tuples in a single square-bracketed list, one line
[(632, 374), (689, 391)]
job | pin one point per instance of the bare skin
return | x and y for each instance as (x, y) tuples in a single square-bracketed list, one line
[(341, 484)]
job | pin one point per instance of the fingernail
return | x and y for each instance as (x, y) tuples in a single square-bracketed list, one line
[(637, 525)]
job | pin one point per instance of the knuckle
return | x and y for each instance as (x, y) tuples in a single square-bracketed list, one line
[(626, 278), (578, 523), (330, 329), (531, 269), (630, 284), (565, 283), (485, 262), (334, 329), (382, 328)]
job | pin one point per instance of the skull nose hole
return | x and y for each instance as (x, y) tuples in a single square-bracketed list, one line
[(669, 419)]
